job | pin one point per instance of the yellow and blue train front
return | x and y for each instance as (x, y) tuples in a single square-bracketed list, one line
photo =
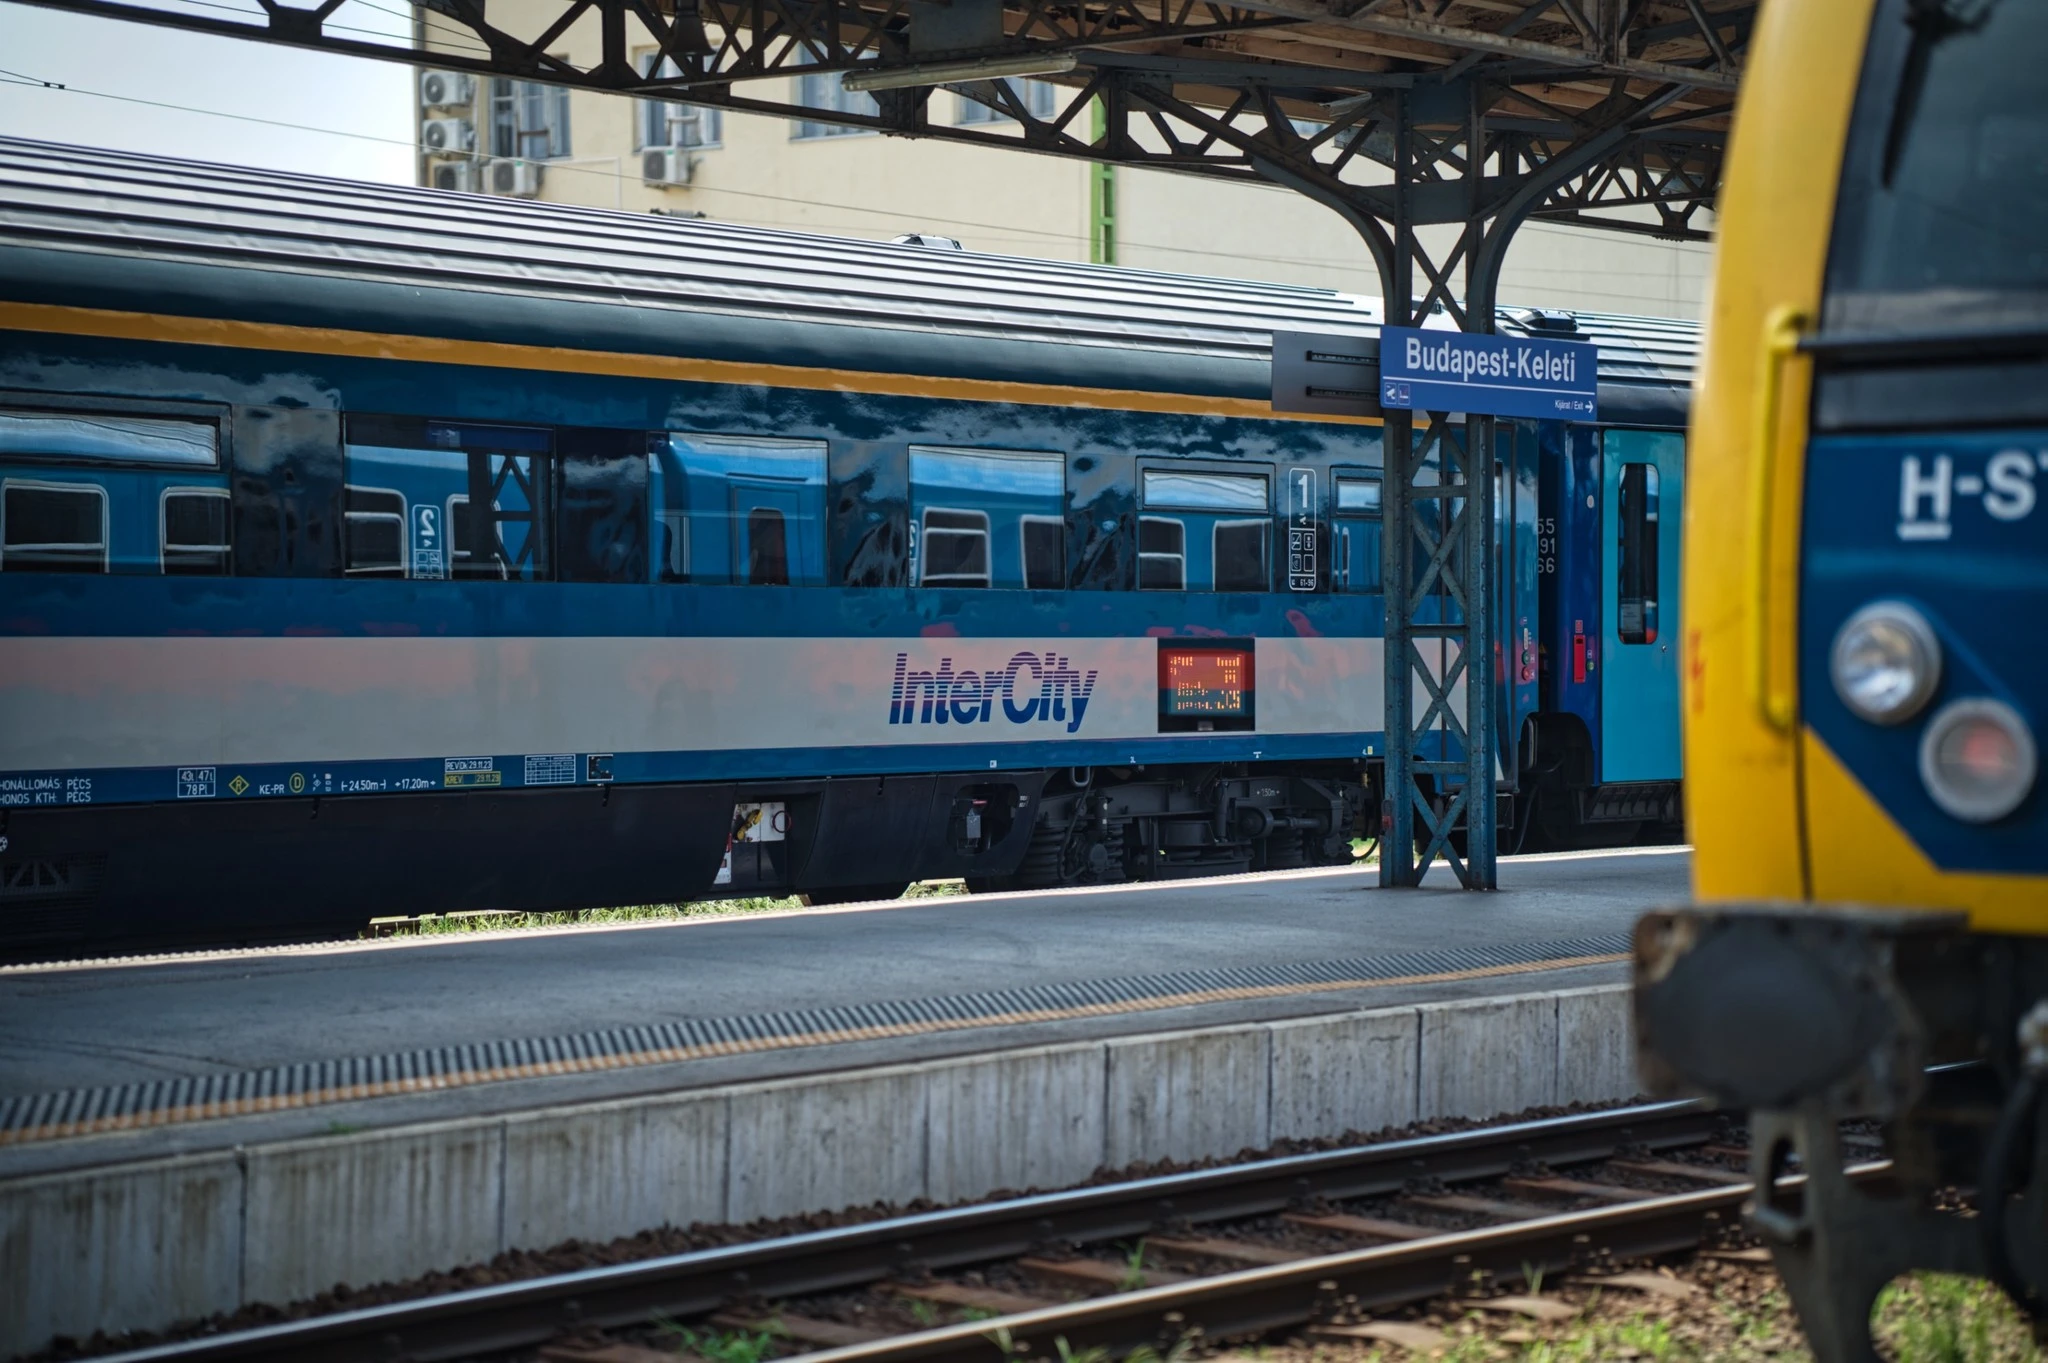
[(1868, 561)]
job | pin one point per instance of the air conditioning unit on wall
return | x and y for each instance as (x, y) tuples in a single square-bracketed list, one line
[(460, 176), (446, 136), (520, 179), (666, 166), (444, 89)]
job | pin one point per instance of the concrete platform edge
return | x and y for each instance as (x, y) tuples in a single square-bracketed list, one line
[(142, 1245)]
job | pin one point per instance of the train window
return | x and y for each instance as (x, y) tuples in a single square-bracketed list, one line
[(744, 510), (192, 530), (1636, 560), (53, 527), (995, 512), (767, 547), (953, 549), (1938, 226), (429, 469), (461, 555), (1227, 550), (1355, 566), (1162, 554), (1238, 549), (602, 528), (104, 436), (1045, 552), (373, 532), (1206, 491), (1358, 496)]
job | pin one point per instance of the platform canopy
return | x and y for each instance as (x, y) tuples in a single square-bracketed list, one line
[(1633, 94)]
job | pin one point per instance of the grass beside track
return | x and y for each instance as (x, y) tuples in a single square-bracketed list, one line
[(488, 921), (1738, 1314)]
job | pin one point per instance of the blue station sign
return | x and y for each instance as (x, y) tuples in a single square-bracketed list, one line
[(1456, 371)]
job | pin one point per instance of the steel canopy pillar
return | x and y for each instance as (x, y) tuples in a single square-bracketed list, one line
[(1436, 507)]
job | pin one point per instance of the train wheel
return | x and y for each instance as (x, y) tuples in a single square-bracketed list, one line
[(1290, 849), (1085, 854)]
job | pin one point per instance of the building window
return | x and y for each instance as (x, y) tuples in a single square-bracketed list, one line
[(671, 122), (1038, 97), (529, 120), (53, 528), (822, 90)]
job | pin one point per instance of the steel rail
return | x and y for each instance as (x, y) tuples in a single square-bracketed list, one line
[(512, 1315), (1257, 1301)]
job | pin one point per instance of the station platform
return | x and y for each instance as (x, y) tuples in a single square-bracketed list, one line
[(147, 1057), (183, 1137)]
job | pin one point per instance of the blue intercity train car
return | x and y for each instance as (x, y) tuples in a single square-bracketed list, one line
[(371, 551)]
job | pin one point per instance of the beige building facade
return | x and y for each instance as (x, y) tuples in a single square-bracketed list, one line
[(580, 147)]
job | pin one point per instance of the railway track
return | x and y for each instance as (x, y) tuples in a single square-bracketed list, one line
[(1371, 1228)]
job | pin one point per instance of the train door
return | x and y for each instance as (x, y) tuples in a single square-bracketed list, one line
[(1355, 556), (1642, 481), (1517, 564)]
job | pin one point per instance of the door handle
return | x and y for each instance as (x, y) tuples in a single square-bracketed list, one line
[(1783, 329)]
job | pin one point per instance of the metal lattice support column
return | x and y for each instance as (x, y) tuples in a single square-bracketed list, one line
[(1437, 547), (1437, 505)]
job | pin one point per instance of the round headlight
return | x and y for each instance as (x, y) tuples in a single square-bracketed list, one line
[(1885, 662), (1977, 759)]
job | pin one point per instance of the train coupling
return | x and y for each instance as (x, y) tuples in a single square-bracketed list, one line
[(1783, 1006)]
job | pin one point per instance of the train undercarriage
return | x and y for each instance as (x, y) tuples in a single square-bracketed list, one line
[(197, 873)]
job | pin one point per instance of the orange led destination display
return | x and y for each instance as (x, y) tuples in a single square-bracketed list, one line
[(1205, 681)]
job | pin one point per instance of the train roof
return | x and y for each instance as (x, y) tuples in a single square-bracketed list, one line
[(125, 227)]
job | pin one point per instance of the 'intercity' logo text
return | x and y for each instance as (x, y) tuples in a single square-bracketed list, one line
[(1028, 689)]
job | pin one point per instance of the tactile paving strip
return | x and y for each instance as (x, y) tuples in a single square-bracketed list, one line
[(80, 1112)]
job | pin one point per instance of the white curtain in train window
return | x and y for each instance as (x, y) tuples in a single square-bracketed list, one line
[(1205, 531), (743, 510), (99, 492), (987, 518)]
